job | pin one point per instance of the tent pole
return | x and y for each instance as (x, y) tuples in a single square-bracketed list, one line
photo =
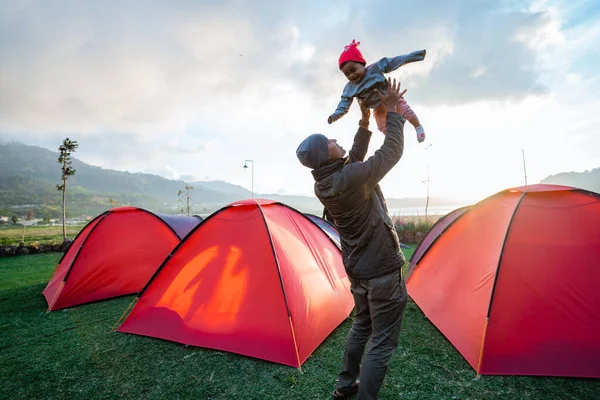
[(295, 344), (126, 311), (482, 344), (62, 283)]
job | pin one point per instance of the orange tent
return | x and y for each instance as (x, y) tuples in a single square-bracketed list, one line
[(256, 278), (115, 255), (513, 281)]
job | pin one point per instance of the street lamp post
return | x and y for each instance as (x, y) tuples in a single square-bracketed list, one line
[(524, 168), (246, 166), (427, 179)]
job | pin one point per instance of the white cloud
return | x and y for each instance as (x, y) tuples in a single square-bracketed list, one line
[(193, 88), (293, 48)]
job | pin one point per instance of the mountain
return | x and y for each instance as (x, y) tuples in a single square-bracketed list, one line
[(29, 175), (224, 188), (588, 180)]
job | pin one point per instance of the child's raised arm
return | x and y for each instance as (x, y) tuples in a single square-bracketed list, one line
[(341, 110), (387, 65)]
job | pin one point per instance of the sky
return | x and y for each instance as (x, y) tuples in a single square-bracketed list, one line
[(190, 89)]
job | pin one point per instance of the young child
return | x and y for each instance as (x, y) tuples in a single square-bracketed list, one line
[(363, 79)]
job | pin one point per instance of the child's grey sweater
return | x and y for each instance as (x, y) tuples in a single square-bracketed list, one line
[(373, 79)]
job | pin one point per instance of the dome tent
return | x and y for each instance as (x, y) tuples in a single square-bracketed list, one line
[(115, 255), (512, 281), (256, 278)]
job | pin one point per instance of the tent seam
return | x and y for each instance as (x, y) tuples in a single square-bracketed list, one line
[(281, 281), (83, 243), (163, 221), (179, 245), (500, 259), (411, 270)]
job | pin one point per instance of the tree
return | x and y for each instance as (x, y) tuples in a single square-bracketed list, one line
[(187, 196), (30, 216), (27, 218), (14, 219), (67, 147)]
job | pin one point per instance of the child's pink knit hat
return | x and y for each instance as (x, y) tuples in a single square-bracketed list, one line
[(351, 53)]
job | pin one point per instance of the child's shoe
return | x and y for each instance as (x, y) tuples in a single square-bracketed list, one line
[(420, 133)]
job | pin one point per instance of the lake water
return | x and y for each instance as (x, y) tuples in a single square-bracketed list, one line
[(420, 211)]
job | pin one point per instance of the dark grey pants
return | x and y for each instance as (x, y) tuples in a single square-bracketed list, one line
[(379, 305)]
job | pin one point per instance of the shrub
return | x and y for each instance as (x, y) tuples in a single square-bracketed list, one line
[(6, 241), (420, 224), (424, 225)]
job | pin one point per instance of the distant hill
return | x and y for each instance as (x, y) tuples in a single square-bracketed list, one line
[(589, 180), (223, 187), (29, 175), (41, 166)]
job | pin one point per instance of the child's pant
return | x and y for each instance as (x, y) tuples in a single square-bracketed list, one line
[(401, 108)]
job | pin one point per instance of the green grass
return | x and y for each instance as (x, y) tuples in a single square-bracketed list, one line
[(71, 354), (13, 234)]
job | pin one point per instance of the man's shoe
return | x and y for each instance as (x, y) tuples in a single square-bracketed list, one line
[(346, 393)]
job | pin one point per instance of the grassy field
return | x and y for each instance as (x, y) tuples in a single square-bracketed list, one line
[(71, 354), (13, 234)]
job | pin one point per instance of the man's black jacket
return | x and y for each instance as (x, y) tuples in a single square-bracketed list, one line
[(349, 190)]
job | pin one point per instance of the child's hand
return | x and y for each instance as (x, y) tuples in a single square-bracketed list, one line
[(392, 95)]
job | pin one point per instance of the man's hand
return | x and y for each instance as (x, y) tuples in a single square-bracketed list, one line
[(392, 95), (366, 115)]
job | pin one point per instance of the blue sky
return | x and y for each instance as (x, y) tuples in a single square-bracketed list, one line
[(189, 89)]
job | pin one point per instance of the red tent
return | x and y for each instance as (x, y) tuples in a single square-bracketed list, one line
[(255, 278), (513, 281), (115, 255), (327, 227)]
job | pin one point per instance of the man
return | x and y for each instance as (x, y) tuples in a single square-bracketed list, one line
[(348, 189)]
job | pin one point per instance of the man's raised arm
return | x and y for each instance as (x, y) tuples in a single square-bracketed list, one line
[(362, 137), (370, 172)]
